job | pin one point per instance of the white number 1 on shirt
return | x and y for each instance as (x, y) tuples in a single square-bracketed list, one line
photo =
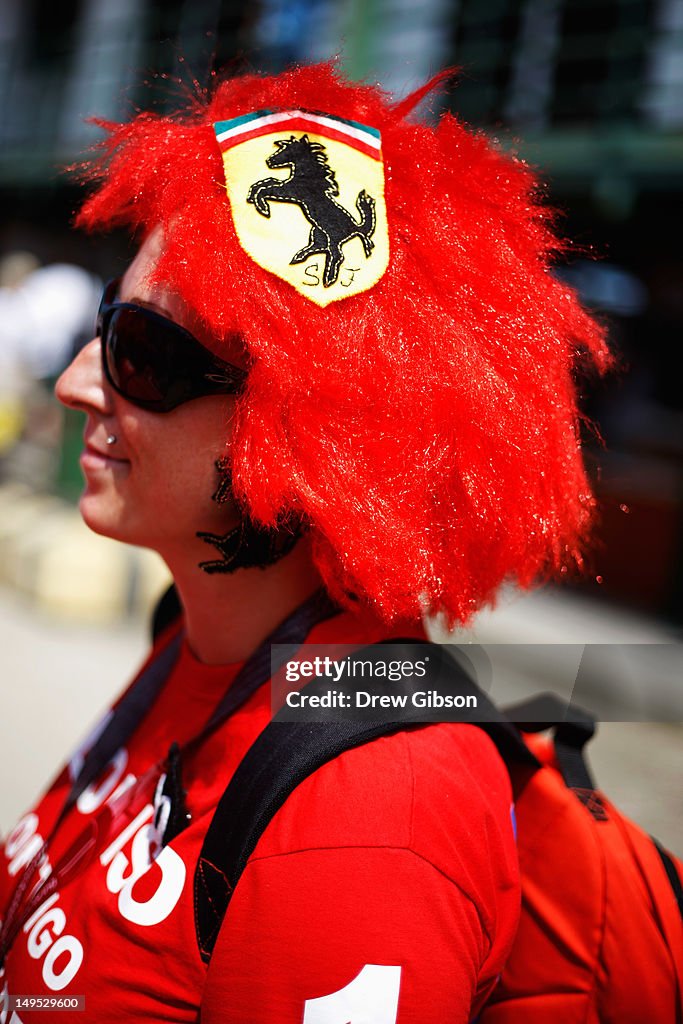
[(371, 998)]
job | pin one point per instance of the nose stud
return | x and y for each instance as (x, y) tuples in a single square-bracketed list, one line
[(111, 439)]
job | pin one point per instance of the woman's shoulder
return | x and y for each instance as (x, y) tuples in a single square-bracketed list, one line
[(440, 791)]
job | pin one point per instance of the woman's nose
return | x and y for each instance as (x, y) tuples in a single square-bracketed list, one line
[(82, 385)]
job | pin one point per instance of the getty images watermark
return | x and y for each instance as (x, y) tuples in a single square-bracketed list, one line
[(416, 681), (387, 681), (352, 672)]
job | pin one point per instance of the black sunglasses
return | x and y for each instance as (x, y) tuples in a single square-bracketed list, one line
[(153, 361)]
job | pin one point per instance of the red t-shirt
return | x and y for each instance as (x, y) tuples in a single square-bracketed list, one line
[(385, 890)]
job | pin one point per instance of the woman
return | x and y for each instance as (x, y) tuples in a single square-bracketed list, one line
[(331, 398)]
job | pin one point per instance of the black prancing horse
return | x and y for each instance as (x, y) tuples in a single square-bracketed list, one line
[(313, 186)]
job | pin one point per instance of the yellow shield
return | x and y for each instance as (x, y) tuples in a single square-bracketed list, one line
[(306, 192)]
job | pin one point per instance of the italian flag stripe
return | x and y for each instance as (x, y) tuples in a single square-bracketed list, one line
[(240, 129)]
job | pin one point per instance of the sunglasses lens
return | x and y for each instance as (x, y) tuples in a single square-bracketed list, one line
[(155, 363), (137, 359)]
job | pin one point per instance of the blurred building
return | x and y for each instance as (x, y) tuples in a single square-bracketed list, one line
[(588, 90)]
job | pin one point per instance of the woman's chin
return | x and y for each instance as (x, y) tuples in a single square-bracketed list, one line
[(117, 521), (104, 517)]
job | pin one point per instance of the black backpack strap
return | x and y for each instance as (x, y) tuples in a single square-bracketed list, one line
[(572, 729), (287, 752), (671, 873), (283, 756)]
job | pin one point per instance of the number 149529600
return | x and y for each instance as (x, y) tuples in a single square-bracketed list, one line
[(21, 1002)]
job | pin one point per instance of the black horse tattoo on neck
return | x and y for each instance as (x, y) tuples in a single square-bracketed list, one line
[(313, 186)]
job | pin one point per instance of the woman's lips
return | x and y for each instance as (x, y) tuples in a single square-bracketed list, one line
[(92, 458)]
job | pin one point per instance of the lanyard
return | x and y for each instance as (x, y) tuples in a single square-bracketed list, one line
[(125, 719)]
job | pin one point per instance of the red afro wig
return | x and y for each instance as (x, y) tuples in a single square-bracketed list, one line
[(426, 430)]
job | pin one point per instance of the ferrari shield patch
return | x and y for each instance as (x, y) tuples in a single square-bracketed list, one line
[(307, 197)]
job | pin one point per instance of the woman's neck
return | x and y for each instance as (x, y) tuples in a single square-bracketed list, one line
[(228, 615)]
